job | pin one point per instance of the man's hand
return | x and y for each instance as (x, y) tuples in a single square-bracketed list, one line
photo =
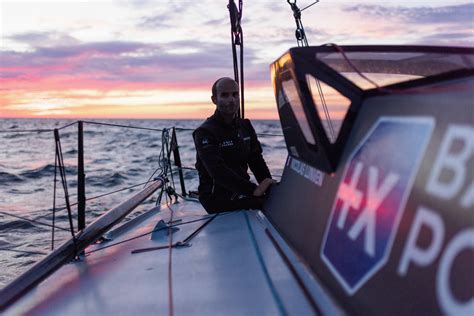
[(263, 187)]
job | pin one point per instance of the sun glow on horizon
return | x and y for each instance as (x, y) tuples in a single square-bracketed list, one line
[(136, 59)]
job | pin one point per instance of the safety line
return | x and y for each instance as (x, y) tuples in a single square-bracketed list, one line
[(32, 221), (125, 126)]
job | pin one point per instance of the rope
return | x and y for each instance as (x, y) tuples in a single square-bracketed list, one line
[(170, 264), (341, 51)]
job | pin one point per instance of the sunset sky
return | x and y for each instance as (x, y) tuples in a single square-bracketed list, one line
[(158, 59)]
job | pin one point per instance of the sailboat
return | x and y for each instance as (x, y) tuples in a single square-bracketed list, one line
[(373, 213)]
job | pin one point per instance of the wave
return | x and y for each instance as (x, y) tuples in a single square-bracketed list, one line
[(93, 133), (8, 178), (46, 171), (14, 136), (16, 224), (106, 180), (71, 152)]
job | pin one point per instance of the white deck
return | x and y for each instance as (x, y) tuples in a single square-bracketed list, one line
[(231, 268)]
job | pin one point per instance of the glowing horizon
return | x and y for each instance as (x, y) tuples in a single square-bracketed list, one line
[(140, 59)]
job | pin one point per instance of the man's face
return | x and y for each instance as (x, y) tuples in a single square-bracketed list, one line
[(227, 97)]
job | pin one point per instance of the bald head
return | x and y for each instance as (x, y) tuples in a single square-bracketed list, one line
[(225, 95), (216, 83)]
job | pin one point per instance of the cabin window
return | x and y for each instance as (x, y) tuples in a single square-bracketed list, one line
[(331, 106), (292, 96)]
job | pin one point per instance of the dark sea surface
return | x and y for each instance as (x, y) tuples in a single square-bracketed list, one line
[(115, 158)]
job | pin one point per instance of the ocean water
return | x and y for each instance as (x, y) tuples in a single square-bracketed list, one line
[(115, 158)]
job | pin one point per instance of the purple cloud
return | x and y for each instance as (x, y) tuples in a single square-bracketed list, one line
[(128, 62), (44, 39), (456, 14), (449, 38), (156, 21)]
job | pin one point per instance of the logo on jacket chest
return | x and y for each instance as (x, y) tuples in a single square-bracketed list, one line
[(227, 143)]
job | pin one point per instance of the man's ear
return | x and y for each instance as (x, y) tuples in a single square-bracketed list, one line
[(214, 99)]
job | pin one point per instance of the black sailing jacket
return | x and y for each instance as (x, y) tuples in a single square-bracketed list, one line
[(224, 153)]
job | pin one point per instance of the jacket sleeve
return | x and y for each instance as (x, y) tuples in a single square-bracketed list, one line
[(207, 148), (256, 162)]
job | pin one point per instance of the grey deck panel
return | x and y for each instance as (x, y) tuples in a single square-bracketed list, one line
[(221, 273)]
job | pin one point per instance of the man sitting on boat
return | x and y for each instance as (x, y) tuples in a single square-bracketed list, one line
[(226, 146)]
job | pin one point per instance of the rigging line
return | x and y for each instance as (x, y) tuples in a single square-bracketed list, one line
[(349, 62), (302, 40), (168, 161), (151, 232), (326, 110), (125, 126), (32, 221), (323, 103), (62, 172), (273, 290), (160, 168), (309, 5), (63, 207), (112, 192), (163, 170)]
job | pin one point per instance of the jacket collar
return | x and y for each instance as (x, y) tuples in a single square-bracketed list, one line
[(217, 117)]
